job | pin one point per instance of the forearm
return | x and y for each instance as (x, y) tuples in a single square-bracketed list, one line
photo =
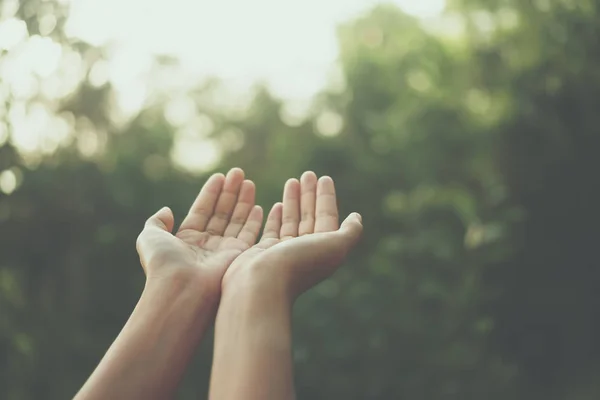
[(253, 347), (149, 357)]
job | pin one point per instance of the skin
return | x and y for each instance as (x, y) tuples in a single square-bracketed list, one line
[(184, 271), (302, 245)]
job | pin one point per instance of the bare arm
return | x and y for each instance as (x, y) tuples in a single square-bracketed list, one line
[(302, 244), (253, 347), (183, 270), (149, 357)]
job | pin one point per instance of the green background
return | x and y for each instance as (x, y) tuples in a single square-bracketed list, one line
[(473, 162)]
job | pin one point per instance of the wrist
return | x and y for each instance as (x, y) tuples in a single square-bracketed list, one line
[(256, 297), (185, 287), (256, 282), (264, 313)]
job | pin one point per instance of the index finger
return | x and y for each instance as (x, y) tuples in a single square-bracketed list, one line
[(204, 205)]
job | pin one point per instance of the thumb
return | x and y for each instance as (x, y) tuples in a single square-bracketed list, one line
[(163, 220), (351, 230)]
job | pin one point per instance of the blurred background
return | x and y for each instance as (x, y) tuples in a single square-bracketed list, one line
[(464, 131)]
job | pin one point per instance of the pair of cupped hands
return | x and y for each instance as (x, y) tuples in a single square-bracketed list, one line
[(218, 246)]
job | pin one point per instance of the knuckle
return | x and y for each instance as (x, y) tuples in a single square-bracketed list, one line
[(221, 215), (237, 221), (202, 211), (213, 232), (308, 217), (327, 214), (287, 219)]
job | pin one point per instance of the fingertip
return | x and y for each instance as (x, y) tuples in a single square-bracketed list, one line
[(256, 214), (276, 211), (273, 224), (325, 185), (214, 183), (163, 218), (217, 177), (236, 171), (352, 223), (291, 189), (308, 176), (247, 191), (325, 179), (291, 182), (164, 211), (235, 177)]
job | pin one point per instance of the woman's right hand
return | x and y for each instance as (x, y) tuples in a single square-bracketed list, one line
[(302, 243)]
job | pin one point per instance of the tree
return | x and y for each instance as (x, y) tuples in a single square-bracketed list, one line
[(471, 159)]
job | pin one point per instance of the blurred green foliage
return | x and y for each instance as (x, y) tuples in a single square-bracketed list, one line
[(472, 160)]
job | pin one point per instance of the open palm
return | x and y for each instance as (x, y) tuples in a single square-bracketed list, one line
[(222, 223), (302, 242)]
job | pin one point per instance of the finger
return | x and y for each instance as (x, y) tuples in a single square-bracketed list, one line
[(226, 203), (308, 195), (273, 224), (163, 220), (326, 213), (351, 230), (245, 203), (291, 209), (204, 205), (251, 228)]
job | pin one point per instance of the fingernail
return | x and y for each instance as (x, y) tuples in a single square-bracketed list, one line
[(357, 215)]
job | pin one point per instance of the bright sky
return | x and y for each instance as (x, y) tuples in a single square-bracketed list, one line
[(289, 44)]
